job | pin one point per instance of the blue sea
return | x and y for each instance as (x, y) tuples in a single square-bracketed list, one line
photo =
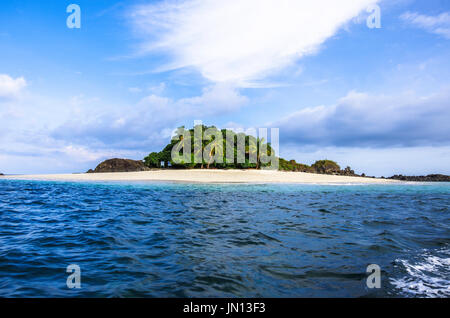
[(194, 240)]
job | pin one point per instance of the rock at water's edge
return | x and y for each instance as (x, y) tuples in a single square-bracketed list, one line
[(120, 165), (429, 178)]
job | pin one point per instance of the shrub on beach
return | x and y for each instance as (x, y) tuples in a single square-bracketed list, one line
[(292, 165), (153, 160), (326, 167)]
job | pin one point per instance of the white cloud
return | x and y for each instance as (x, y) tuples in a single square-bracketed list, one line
[(47, 155), (10, 87), (135, 90), (217, 99), (154, 89), (439, 24), (148, 123), (377, 121), (82, 154), (158, 89), (88, 130), (241, 41), (377, 162)]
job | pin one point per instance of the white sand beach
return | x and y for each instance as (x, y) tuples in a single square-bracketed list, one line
[(208, 176)]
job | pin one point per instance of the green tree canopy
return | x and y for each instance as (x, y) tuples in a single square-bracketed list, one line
[(153, 160), (208, 151), (254, 153)]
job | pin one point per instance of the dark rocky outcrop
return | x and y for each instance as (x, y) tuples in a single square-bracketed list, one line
[(120, 165), (429, 178), (348, 172), (326, 167), (1, 174)]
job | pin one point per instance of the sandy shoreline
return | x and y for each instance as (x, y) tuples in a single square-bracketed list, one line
[(208, 176)]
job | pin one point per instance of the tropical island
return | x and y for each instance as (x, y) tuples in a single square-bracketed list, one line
[(247, 159), (252, 146), (251, 149)]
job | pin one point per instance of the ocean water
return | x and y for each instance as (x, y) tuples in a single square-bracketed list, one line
[(193, 240)]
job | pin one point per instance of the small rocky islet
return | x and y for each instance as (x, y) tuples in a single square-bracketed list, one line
[(428, 178)]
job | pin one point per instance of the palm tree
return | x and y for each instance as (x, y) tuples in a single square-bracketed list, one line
[(199, 152), (260, 143), (254, 147), (227, 145), (214, 144), (182, 140)]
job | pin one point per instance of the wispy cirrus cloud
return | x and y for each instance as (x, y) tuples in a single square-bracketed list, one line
[(237, 41), (437, 24)]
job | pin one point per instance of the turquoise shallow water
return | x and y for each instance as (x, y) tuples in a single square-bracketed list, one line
[(184, 240)]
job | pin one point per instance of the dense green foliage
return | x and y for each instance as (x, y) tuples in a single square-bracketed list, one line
[(153, 160), (251, 150), (294, 166), (253, 155)]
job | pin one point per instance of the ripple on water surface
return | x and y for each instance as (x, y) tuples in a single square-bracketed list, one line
[(175, 240)]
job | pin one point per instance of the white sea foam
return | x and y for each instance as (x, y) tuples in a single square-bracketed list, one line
[(428, 275)]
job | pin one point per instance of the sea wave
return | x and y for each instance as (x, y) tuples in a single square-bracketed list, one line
[(427, 275), (197, 240)]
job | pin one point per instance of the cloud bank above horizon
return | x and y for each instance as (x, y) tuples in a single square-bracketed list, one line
[(373, 121)]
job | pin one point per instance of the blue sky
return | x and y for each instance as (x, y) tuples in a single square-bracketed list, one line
[(375, 99)]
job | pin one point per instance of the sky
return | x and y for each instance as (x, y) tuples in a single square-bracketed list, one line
[(337, 87)]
